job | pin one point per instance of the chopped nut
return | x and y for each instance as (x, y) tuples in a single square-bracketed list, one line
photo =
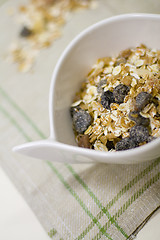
[(126, 53), (127, 80)]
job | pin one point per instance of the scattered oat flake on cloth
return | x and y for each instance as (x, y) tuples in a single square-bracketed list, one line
[(42, 22)]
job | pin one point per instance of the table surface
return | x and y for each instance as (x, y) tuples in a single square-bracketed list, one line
[(17, 221)]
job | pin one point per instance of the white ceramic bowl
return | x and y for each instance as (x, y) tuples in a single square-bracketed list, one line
[(105, 38)]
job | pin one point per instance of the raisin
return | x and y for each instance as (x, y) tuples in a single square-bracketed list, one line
[(106, 99), (110, 145), (150, 139), (142, 99), (138, 119), (81, 120), (73, 110), (25, 32), (125, 144), (83, 141), (120, 92), (139, 134)]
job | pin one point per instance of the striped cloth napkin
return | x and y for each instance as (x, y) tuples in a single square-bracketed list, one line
[(85, 201)]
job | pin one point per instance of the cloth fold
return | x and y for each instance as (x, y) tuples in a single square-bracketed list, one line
[(84, 201)]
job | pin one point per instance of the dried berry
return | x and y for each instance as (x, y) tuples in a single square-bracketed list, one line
[(110, 145), (120, 92), (73, 110), (142, 100), (139, 134), (83, 141), (138, 119), (81, 120), (150, 139), (125, 144), (26, 32), (106, 99)]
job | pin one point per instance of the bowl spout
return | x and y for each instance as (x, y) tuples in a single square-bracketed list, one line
[(43, 149), (52, 151)]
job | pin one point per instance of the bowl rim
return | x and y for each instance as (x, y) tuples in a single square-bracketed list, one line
[(115, 155), (63, 56)]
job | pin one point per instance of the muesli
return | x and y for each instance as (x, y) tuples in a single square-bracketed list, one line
[(118, 105), (41, 24)]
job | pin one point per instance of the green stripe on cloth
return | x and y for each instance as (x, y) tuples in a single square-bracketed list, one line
[(18, 109), (67, 165), (60, 177), (104, 210), (52, 233), (103, 232), (13, 121), (2, 2), (128, 203), (126, 188)]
